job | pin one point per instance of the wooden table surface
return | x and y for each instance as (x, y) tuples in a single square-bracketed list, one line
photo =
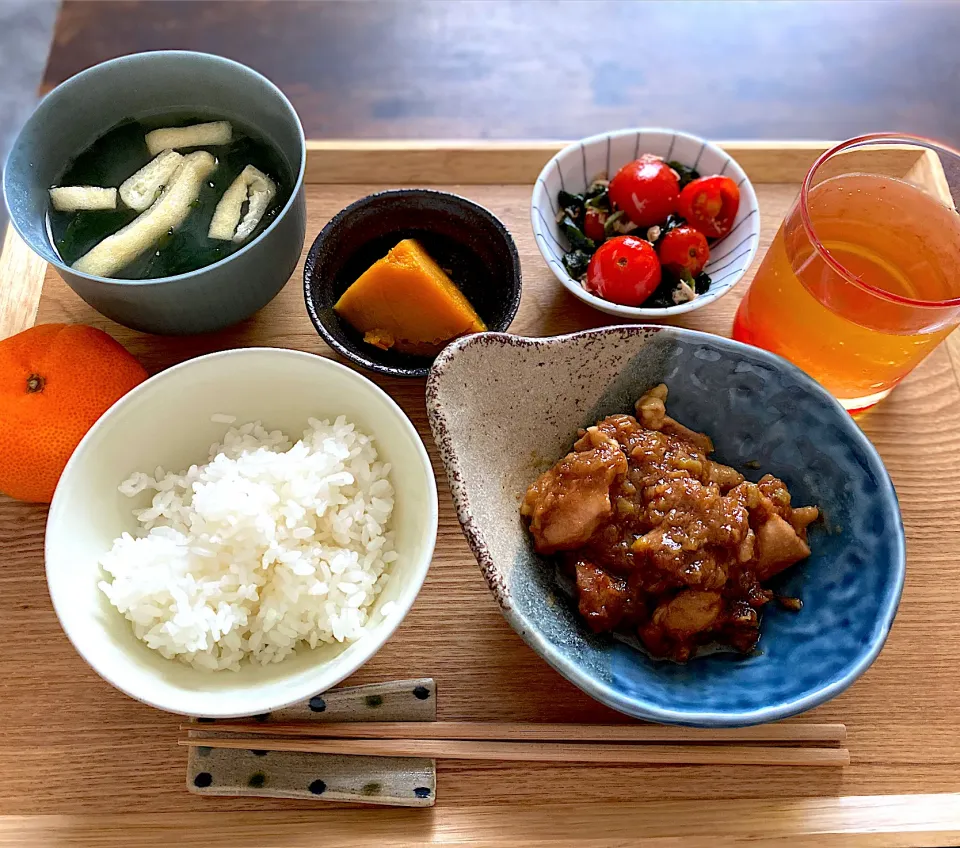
[(489, 69), (82, 764), (548, 69)]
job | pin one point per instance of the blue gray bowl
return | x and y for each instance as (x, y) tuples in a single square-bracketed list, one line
[(83, 108), (764, 415)]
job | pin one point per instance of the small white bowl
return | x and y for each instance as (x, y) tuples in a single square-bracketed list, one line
[(573, 169), (166, 421)]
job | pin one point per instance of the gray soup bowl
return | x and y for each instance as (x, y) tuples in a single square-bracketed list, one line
[(86, 106)]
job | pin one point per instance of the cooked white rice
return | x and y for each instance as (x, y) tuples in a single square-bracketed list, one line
[(268, 546)]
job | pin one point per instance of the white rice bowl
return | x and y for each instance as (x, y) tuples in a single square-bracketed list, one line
[(171, 420), (266, 547)]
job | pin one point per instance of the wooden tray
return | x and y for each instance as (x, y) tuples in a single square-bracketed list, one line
[(82, 764)]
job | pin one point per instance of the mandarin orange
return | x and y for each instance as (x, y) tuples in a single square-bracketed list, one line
[(56, 380)]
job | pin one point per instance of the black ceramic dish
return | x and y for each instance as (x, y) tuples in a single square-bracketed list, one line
[(461, 236)]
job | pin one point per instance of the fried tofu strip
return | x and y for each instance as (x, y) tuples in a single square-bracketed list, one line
[(169, 212), (196, 135), (83, 198), (252, 187), (142, 189)]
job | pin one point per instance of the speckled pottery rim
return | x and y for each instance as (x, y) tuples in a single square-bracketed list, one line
[(563, 663)]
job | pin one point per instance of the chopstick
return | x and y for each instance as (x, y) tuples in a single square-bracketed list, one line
[(793, 732), (552, 752)]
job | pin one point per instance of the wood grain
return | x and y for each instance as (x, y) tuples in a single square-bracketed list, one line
[(545, 752), (21, 279), (341, 162), (85, 758), (781, 731), (501, 69), (894, 821)]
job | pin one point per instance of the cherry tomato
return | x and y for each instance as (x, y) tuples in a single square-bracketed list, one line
[(624, 270), (684, 249), (647, 190), (593, 223), (710, 204)]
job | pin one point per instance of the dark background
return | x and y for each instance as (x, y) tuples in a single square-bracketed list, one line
[(557, 69), (563, 68)]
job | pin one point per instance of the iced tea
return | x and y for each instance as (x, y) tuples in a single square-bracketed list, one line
[(861, 282)]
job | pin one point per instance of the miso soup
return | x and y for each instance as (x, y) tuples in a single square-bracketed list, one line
[(187, 244)]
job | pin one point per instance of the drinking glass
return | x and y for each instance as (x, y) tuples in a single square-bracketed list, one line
[(862, 280)]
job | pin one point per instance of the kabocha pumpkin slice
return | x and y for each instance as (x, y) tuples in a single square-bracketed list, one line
[(56, 380), (406, 302)]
